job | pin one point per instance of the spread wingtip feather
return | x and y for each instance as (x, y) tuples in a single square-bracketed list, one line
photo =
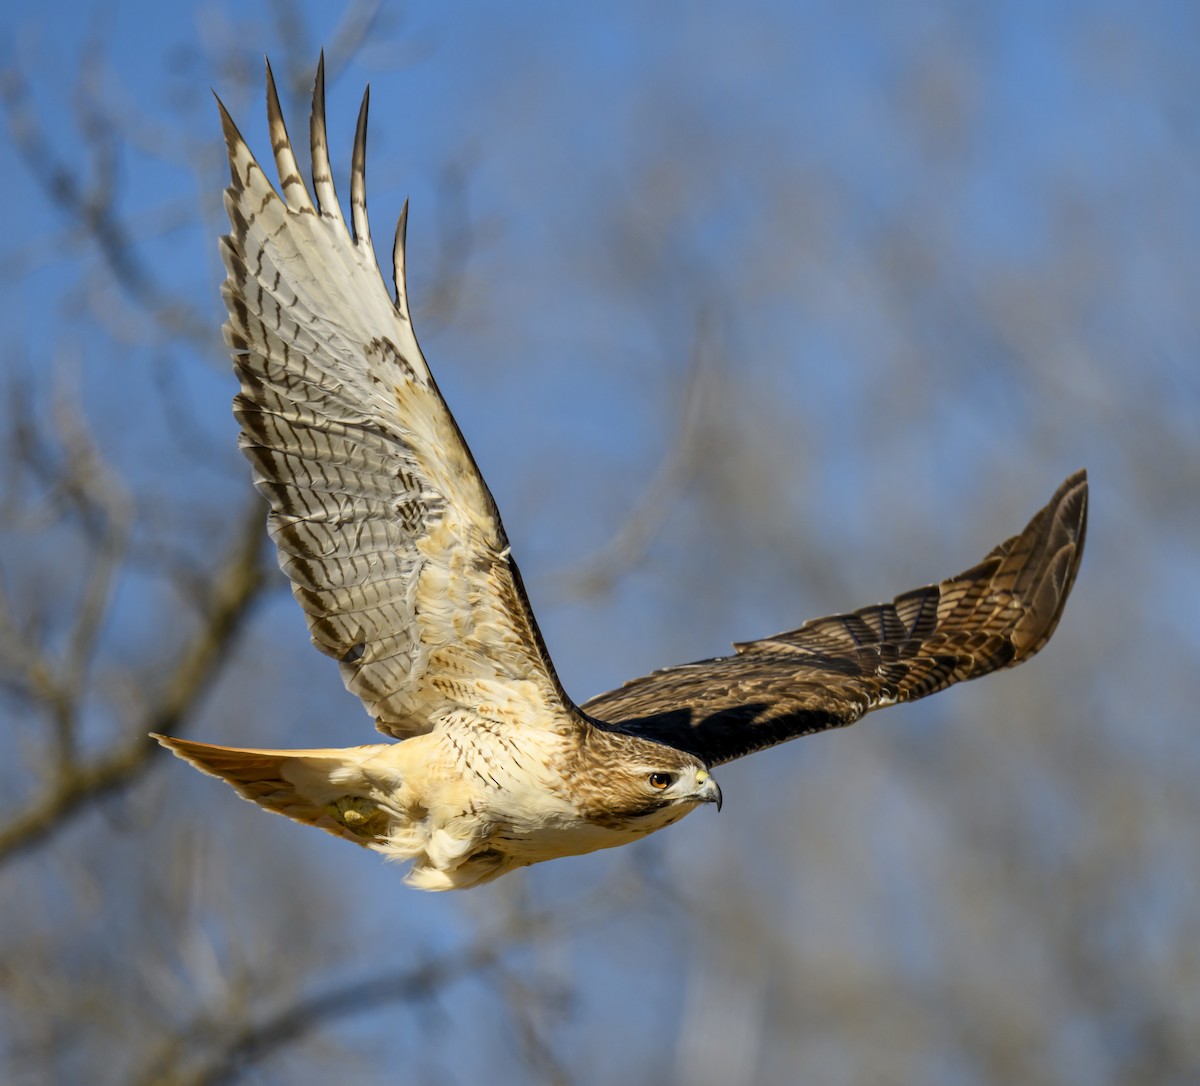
[(295, 192), (358, 177), (322, 171)]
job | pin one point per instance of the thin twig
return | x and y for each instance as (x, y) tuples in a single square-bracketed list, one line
[(628, 546), (104, 503)]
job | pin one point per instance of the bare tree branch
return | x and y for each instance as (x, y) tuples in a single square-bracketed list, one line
[(257, 1041), (231, 1049), (75, 479), (231, 594), (92, 207)]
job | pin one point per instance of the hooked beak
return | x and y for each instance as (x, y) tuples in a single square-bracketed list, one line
[(710, 791)]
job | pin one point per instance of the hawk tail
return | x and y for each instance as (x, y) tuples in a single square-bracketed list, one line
[(325, 788)]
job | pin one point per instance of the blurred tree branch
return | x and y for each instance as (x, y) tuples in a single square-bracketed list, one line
[(84, 189), (75, 785), (597, 574), (229, 1050)]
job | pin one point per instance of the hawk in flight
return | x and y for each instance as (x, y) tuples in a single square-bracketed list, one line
[(396, 552)]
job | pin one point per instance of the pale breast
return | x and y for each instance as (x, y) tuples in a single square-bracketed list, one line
[(474, 799)]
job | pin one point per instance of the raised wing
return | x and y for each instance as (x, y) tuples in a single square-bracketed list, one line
[(832, 670), (385, 527)]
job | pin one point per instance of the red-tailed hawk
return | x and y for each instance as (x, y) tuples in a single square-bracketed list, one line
[(396, 552)]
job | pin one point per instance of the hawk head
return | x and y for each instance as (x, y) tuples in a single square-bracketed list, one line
[(627, 782)]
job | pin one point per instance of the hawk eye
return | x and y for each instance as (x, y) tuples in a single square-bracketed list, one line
[(661, 780)]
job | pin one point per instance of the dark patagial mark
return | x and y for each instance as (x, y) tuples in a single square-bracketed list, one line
[(385, 350)]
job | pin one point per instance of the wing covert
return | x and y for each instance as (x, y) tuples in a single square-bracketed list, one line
[(831, 671), (383, 523)]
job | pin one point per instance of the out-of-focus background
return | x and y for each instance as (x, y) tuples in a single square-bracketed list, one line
[(750, 312)]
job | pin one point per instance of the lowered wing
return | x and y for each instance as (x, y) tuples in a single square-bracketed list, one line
[(831, 671), (383, 523)]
